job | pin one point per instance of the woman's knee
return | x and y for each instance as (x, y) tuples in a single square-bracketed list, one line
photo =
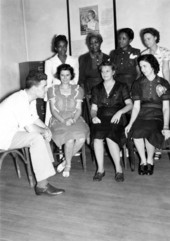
[(69, 142), (98, 141), (81, 140)]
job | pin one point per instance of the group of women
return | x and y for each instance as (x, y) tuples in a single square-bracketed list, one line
[(129, 97)]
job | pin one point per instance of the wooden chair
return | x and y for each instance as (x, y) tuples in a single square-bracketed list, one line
[(59, 154), (23, 154)]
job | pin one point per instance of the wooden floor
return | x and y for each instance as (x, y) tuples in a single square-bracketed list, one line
[(136, 210)]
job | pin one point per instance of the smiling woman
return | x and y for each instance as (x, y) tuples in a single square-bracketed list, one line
[(67, 126), (151, 38)]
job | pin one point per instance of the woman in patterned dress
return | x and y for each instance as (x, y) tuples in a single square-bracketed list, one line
[(67, 126)]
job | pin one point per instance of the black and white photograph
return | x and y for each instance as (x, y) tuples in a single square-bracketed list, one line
[(84, 120)]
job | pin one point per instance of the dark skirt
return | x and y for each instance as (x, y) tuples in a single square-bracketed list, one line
[(106, 129), (148, 129)]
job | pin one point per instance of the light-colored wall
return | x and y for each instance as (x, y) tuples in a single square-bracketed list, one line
[(44, 19), (139, 14), (12, 45), (27, 28)]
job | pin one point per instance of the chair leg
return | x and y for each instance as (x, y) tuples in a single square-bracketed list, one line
[(124, 156), (130, 146), (83, 155), (15, 157), (28, 166)]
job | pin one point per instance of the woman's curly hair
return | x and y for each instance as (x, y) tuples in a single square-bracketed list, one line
[(152, 31), (91, 35)]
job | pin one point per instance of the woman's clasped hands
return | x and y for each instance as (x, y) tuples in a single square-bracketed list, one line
[(69, 121)]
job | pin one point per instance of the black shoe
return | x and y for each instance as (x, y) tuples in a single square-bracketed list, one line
[(98, 176), (48, 190), (119, 177), (150, 169), (142, 169)]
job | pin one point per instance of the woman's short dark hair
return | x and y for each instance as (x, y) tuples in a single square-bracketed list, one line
[(128, 31), (57, 39), (65, 67), (152, 31), (107, 63), (34, 78), (151, 60), (93, 35)]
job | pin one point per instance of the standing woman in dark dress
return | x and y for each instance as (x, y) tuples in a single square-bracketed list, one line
[(89, 75), (150, 114), (127, 70), (125, 58), (110, 101)]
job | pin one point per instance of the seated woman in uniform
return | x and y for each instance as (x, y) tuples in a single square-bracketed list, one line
[(150, 115), (66, 124), (110, 101)]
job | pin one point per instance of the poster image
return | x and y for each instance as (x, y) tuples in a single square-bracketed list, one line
[(89, 21)]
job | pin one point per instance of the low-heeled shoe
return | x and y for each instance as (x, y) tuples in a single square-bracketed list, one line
[(119, 177), (150, 169), (142, 169), (48, 190), (98, 176)]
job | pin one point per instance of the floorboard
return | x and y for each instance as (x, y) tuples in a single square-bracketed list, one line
[(136, 210)]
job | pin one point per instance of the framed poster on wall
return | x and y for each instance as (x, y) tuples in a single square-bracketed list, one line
[(87, 16)]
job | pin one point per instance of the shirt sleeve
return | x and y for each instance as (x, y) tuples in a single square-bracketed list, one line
[(125, 92), (76, 71), (166, 95), (166, 54), (80, 93), (136, 93), (51, 93), (48, 72)]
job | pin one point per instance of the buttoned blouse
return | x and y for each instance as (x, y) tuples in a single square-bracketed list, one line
[(115, 98), (146, 90), (66, 104), (161, 54), (125, 61)]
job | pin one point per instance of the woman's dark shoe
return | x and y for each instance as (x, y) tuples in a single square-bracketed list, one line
[(142, 169), (119, 177), (98, 176), (150, 169), (48, 190)]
